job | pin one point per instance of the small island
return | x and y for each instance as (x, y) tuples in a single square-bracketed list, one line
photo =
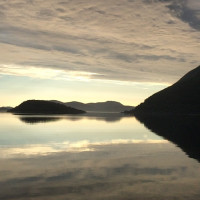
[(44, 107)]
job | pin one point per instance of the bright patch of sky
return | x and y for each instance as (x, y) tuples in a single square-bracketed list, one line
[(123, 50), (73, 90)]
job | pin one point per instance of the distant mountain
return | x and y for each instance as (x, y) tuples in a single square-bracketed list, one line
[(108, 106), (183, 97), (5, 109), (44, 107)]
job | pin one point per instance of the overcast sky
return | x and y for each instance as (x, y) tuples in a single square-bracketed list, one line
[(95, 50)]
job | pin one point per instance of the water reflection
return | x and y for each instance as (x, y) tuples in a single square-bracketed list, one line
[(108, 117), (118, 171), (66, 146), (184, 131), (65, 132), (38, 119), (87, 158)]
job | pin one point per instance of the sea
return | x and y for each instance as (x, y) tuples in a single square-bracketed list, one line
[(94, 156)]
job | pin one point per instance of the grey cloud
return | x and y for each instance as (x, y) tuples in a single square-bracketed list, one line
[(66, 49), (2, 14), (186, 14), (46, 13), (181, 10), (61, 10), (135, 57), (33, 39), (114, 39)]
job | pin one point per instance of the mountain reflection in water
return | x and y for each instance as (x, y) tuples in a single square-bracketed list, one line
[(182, 130), (108, 117), (88, 158), (34, 119)]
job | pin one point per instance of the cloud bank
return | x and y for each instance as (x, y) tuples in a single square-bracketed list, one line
[(125, 40)]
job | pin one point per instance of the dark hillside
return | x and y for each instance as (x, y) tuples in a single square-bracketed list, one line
[(44, 107), (183, 97)]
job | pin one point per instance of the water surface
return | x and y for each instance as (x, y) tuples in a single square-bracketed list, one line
[(91, 157)]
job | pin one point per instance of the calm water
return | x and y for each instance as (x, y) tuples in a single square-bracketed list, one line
[(95, 157)]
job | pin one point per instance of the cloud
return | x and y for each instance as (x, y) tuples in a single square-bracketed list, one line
[(187, 10), (139, 41)]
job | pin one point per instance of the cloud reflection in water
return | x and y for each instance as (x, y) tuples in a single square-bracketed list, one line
[(91, 159), (112, 171)]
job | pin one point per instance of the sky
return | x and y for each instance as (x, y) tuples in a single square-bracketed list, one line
[(91, 50)]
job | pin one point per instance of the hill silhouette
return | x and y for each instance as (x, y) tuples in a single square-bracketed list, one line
[(44, 107), (108, 106), (183, 97)]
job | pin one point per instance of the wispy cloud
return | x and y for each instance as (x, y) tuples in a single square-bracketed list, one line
[(139, 41)]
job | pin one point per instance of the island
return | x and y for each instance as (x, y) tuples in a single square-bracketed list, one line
[(44, 107)]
